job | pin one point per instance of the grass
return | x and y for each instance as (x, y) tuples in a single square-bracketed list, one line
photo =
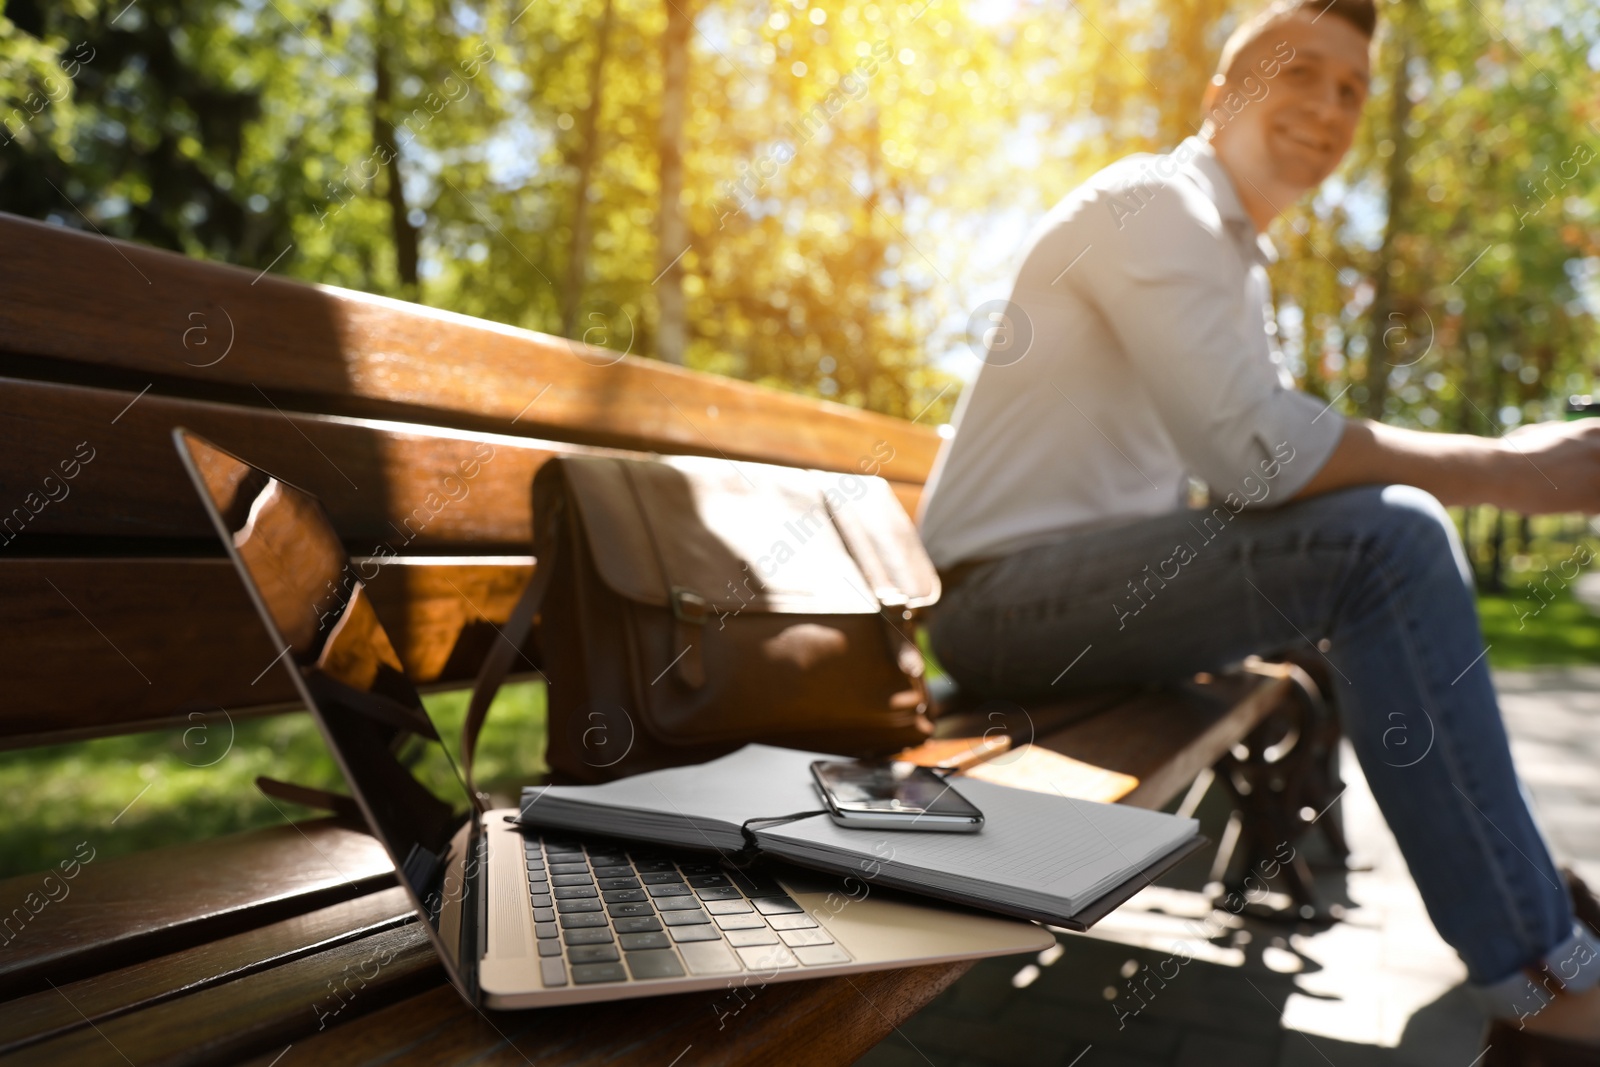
[(127, 794), (1522, 630)]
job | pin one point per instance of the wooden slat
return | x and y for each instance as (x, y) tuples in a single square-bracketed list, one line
[(1163, 738), (1130, 745), (408, 487), (390, 484), (111, 646), (1046, 771), (374, 354), (92, 1001), (118, 911), (222, 1023), (830, 1021)]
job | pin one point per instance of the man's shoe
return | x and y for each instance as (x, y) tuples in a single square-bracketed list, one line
[(1509, 1047)]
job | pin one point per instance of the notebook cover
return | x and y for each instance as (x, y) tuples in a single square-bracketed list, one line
[(1079, 921)]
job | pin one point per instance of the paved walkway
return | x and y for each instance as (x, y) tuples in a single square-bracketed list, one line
[(1377, 989)]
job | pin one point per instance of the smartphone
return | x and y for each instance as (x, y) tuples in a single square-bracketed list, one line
[(892, 796)]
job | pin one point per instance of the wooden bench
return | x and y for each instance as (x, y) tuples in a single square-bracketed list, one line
[(120, 614)]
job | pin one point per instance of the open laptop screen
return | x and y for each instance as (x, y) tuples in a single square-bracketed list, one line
[(320, 616)]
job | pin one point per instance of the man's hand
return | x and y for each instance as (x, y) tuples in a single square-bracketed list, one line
[(1560, 467), (1535, 469)]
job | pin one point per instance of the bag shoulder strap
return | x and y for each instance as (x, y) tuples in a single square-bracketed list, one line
[(513, 636), (906, 653)]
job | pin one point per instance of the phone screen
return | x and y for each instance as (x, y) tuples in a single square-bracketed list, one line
[(897, 795)]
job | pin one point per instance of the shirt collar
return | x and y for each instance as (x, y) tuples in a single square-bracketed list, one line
[(1207, 172)]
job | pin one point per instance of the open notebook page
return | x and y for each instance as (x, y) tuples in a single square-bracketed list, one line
[(694, 806)]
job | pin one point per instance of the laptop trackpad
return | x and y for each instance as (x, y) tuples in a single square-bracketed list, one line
[(873, 922)]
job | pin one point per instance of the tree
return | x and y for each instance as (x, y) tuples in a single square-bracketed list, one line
[(1396, 176), (114, 120), (671, 328), (383, 141), (588, 154)]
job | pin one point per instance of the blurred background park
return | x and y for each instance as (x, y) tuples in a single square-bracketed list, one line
[(809, 195)]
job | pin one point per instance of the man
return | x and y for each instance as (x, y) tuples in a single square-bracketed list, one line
[(1137, 352)]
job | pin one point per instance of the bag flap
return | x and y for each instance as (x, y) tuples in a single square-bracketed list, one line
[(618, 540), (714, 535), (882, 538)]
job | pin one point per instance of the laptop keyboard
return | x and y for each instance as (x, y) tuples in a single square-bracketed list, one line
[(609, 912)]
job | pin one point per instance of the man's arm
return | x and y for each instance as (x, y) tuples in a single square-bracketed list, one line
[(1544, 467)]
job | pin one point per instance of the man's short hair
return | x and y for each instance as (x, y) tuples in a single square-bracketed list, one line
[(1362, 14)]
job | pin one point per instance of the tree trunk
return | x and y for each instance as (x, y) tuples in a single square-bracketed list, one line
[(588, 154), (672, 330), (1497, 544), (1397, 178), (404, 234)]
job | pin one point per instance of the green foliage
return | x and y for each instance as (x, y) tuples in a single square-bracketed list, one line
[(1441, 277), (845, 168), (143, 126)]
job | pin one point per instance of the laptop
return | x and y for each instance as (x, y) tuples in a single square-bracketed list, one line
[(520, 918)]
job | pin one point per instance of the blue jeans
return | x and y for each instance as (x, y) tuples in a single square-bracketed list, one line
[(1376, 577)]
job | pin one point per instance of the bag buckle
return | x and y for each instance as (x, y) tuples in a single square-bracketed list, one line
[(689, 606)]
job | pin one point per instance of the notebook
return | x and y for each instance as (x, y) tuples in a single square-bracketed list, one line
[(1052, 858)]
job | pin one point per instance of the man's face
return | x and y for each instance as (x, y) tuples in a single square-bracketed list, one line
[(1293, 133)]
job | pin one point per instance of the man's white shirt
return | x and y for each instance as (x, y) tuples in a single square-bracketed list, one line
[(1144, 310)]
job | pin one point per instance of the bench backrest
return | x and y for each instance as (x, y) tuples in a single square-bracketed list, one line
[(419, 429)]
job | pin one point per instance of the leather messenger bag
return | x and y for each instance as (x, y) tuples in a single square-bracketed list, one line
[(686, 606)]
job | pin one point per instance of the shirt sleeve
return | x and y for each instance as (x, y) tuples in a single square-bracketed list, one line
[(1173, 288)]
